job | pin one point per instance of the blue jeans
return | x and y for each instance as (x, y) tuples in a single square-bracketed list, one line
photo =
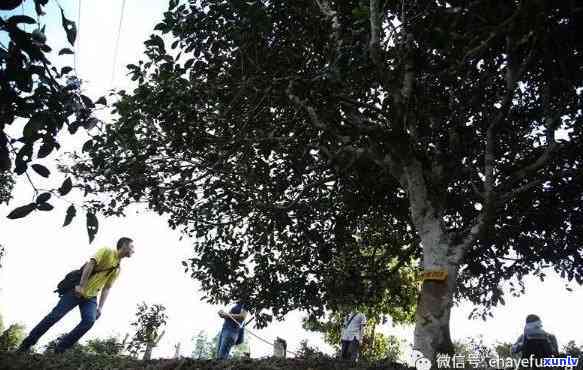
[(350, 349), (68, 301), (227, 340)]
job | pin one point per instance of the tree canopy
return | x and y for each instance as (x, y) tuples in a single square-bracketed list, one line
[(272, 131)]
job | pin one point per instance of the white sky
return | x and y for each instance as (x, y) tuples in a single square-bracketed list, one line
[(39, 252)]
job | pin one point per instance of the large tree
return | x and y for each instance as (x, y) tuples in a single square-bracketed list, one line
[(274, 130)]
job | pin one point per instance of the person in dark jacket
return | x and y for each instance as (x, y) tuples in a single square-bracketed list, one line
[(534, 341)]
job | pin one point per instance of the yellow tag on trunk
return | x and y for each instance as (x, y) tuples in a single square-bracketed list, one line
[(439, 275)]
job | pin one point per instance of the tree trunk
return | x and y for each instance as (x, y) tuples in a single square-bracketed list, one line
[(148, 351), (436, 298), (151, 344), (432, 335)]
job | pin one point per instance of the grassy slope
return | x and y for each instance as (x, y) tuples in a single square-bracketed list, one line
[(10, 361)]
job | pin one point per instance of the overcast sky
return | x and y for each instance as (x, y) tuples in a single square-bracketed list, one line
[(39, 251)]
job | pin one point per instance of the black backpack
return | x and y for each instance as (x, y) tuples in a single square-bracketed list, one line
[(538, 346), (73, 278)]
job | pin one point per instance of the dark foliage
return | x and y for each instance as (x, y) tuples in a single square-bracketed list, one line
[(46, 100), (273, 131)]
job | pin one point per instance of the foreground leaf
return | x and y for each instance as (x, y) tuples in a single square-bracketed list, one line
[(71, 213), (70, 28), (41, 170), (21, 212), (66, 186), (44, 207), (43, 198), (92, 226)]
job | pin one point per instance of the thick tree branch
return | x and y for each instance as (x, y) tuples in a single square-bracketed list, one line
[(304, 105), (403, 259), (509, 195), (512, 77), (362, 105), (499, 29), (332, 15), (552, 146), (375, 27), (409, 70), (395, 168)]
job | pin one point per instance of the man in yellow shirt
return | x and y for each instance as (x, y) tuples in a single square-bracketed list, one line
[(99, 273)]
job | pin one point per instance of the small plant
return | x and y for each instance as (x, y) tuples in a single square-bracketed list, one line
[(149, 321)]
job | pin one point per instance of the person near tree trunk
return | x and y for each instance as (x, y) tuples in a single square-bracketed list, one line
[(351, 336)]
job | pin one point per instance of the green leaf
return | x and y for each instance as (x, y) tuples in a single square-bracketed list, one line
[(44, 207), (66, 186), (6, 5), (21, 211), (16, 19), (38, 4), (43, 198), (87, 146), (32, 127), (157, 41), (71, 212), (101, 101), (45, 149), (69, 27), (92, 226), (66, 70), (66, 51), (88, 102), (41, 170)]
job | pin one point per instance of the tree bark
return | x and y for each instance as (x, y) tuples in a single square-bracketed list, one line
[(432, 335), (435, 300), (151, 345)]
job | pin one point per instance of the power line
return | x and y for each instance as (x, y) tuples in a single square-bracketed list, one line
[(123, 4), (22, 13), (77, 41)]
